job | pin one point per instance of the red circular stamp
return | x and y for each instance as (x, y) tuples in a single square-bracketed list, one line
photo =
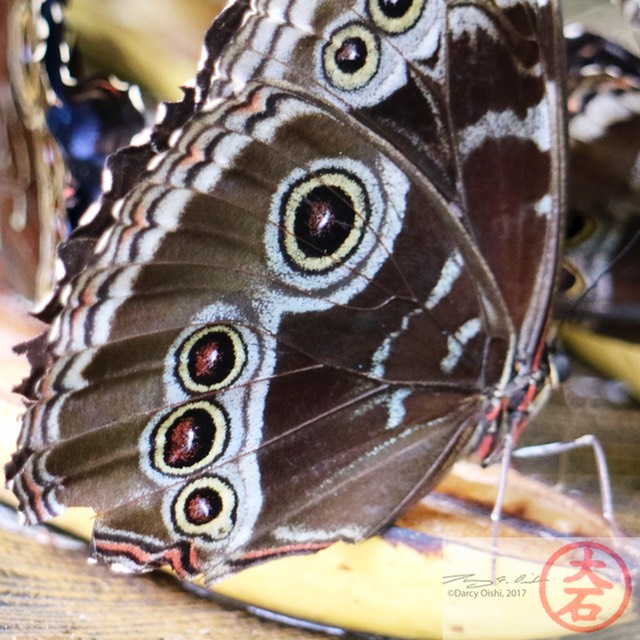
[(585, 586)]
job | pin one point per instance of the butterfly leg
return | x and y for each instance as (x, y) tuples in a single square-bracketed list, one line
[(496, 512), (604, 478), (544, 450)]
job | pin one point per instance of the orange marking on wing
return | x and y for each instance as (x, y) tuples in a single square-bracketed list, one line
[(88, 295), (138, 217), (142, 557), (261, 554), (254, 105), (195, 156)]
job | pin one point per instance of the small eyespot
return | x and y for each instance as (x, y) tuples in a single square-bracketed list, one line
[(189, 438), (579, 228), (396, 16), (571, 283), (211, 359), (352, 57), (206, 508), (323, 220)]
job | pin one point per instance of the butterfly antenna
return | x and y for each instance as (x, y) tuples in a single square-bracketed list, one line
[(621, 253)]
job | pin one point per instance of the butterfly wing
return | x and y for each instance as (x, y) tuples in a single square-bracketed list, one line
[(603, 231), (293, 306), (468, 93)]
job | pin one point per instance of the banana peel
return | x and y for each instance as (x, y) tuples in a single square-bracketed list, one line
[(418, 579), (155, 44)]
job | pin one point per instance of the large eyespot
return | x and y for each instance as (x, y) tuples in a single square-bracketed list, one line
[(210, 359), (396, 16), (189, 438), (352, 57), (206, 508), (340, 264), (323, 220)]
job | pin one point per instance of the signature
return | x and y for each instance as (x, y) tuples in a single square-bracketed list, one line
[(473, 581)]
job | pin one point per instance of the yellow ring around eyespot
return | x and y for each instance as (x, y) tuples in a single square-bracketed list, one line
[(589, 227), (218, 444), (396, 25), (239, 352), (219, 527), (356, 194), (579, 286), (360, 78)]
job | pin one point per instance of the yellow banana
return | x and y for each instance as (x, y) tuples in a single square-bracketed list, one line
[(617, 359)]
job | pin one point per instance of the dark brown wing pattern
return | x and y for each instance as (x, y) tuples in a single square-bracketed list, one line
[(324, 283)]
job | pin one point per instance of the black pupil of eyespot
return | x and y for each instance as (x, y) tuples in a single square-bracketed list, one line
[(567, 281), (189, 439), (352, 55), (212, 358), (203, 506), (323, 221), (576, 222), (395, 8)]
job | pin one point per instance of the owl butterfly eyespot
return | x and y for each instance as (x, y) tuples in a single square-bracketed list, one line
[(190, 438), (396, 17), (352, 57), (307, 284), (211, 358), (206, 509), (323, 220)]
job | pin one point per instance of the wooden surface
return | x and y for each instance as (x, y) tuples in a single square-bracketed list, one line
[(48, 590)]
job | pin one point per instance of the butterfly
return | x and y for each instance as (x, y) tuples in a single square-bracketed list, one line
[(326, 276), (31, 217), (59, 130), (603, 230), (89, 116)]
